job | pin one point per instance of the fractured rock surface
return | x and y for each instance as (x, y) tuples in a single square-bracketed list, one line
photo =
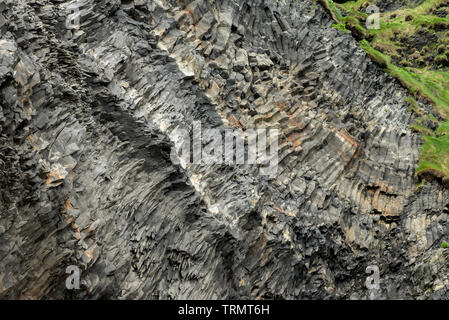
[(88, 119)]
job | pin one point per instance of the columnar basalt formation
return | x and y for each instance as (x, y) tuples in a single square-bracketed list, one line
[(89, 118)]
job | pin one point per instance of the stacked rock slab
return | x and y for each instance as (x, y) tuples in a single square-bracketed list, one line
[(89, 117)]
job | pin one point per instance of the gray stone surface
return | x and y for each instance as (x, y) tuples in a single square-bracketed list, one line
[(88, 118)]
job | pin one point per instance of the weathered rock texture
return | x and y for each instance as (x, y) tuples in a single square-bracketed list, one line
[(88, 119)]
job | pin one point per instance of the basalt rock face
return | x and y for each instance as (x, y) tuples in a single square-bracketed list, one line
[(89, 117)]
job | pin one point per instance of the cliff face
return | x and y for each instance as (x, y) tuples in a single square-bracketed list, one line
[(410, 40), (89, 117)]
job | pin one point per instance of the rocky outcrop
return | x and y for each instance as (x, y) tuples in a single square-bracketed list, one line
[(89, 118)]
